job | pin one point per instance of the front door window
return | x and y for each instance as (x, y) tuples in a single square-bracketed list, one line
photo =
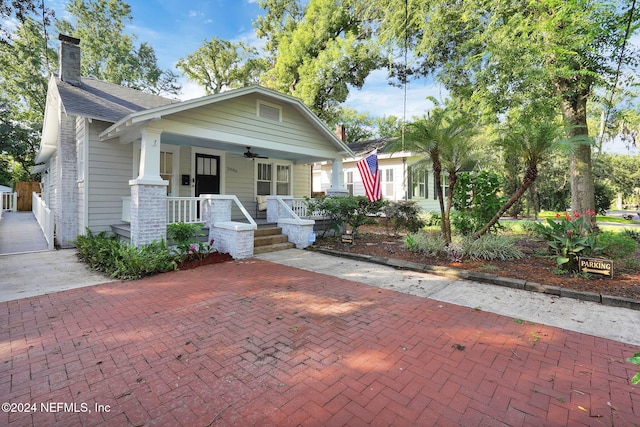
[(207, 174)]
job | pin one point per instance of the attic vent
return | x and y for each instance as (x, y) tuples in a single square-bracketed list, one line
[(269, 112)]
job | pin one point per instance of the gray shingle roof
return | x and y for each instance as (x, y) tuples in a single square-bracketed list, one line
[(105, 101), (361, 148)]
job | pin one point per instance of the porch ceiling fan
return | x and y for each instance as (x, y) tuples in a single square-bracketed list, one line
[(250, 155)]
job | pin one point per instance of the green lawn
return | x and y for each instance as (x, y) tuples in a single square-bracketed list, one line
[(599, 218)]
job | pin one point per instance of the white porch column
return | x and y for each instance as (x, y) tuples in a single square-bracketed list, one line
[(150, 156), (337, 180), (149, 193)]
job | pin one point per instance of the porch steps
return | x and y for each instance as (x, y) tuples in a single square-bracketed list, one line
[(270, 239)]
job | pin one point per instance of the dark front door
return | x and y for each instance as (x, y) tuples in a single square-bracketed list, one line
[(207, 174)]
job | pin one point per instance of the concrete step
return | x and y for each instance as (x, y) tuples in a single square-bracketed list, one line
[(267, 231), (272, 248), (269, 240)]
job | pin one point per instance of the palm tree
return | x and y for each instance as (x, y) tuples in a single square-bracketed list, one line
[(533, 140), (444, 136)]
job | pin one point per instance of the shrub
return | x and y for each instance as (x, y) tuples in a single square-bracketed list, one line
[(122, 261), (432, 219), (463, 222), (489, 247), (404, 215), (603, 197), (185, 237), (635, 359), (634, 234), (616, 245), (132, 262), (352, 210), (476, 200)]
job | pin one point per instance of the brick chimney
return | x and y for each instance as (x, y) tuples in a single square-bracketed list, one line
[(341, 132), (69, 58)]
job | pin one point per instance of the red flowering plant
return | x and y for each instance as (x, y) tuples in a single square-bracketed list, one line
[(569, 236)]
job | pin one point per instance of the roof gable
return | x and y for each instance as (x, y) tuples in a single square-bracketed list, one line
[(264, 94)]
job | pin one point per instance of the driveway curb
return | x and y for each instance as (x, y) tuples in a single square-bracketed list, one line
[(489, 278)]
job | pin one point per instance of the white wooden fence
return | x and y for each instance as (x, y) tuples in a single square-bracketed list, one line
[(44, 216), (9, 201)]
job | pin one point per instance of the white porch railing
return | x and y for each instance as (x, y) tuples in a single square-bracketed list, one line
[(299, 206), (44, 216), (9, 201), (189, 209), (287, 208), (184, 209), (298, 230)]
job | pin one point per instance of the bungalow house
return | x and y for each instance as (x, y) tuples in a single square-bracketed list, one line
[(114, 158), (402, 177)]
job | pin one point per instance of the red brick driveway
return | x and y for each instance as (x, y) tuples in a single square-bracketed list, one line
[(257, 343)]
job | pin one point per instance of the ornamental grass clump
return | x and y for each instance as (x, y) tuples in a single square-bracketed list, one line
[(432, 245), (569, 236), (492, 246)]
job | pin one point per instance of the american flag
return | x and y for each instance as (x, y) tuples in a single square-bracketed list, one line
[(370, 174)]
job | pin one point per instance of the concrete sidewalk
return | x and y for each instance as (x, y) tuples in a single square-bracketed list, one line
[(20, 233), (620, 324), (40, 273)]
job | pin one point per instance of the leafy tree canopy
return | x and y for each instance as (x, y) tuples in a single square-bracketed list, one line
[(25, 62), (504, 54), (20, 10), (321, 49), (220, 64), (108, 53)]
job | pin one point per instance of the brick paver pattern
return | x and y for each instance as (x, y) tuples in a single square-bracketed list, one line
[(256, 343)]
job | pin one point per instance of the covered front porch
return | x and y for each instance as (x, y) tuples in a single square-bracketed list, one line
[(208, 161)]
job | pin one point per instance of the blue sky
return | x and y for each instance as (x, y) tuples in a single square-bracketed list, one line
[(177, 28)]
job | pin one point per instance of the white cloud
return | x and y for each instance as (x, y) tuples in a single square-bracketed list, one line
[(380, 99), (250, 38), (190, 90)]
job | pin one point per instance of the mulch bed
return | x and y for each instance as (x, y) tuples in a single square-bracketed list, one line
[(212, 258), (534, 267)]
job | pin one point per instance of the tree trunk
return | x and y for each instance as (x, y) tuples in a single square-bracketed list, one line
[(574, 112), (453, 177), (530, 176), (445, 225)]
